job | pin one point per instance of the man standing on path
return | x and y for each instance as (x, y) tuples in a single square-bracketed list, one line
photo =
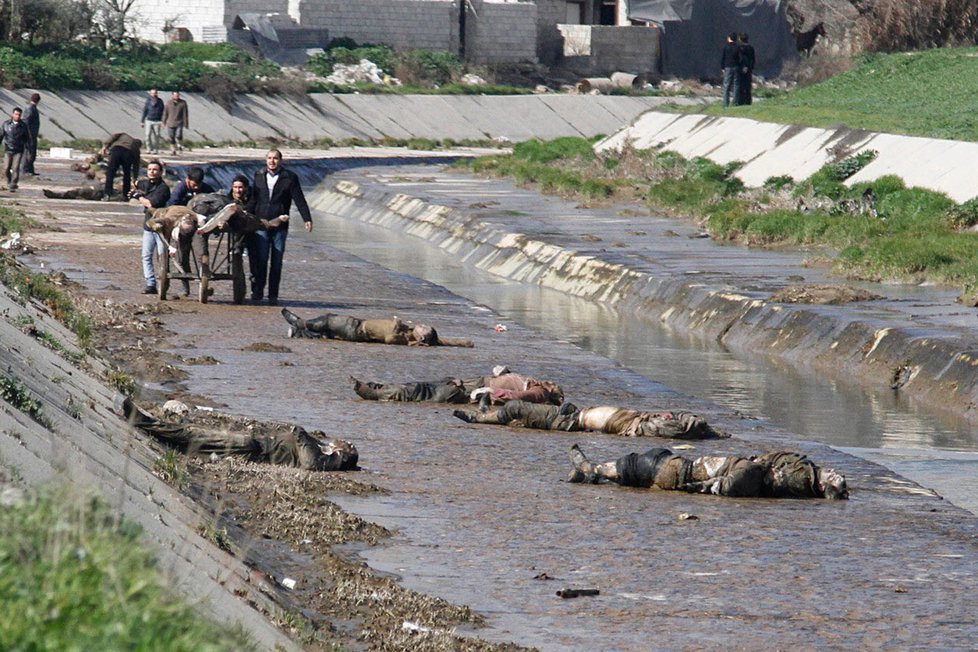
[(15, 136), (730, 62), (275, 190), (151, 192), (151, 119), (33, 120), (746, 81), (176, 116), (122, 151)]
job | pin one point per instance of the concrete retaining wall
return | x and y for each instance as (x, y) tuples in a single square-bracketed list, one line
[(603, 49), (942, 366), (70, 115), (769, 149)]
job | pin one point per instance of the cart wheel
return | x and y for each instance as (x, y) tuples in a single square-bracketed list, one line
[(238, 277), (205, 292), (162, 274)]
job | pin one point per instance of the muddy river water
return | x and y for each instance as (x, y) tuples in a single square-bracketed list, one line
[(934, 449)]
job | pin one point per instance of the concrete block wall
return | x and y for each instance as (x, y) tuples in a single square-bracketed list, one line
[(402, 24), (603, 49), (502, 32), (550, 43)]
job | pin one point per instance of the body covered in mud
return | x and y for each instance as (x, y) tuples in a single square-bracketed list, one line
[(605, 418), (272, 443), (354, 329), (780, 474)]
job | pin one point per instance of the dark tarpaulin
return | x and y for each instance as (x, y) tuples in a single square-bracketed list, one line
[(695, 31)]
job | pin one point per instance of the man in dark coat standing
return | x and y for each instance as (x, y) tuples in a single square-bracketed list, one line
[(276, 189), (730, 63), (746, 81), (32, 118)]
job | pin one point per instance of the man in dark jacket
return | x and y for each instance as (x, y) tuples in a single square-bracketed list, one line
[(33, 120), (15, 137), (151, 120), (152, 193), (275, 190), (746, 80), (122, 151), (730, 63)]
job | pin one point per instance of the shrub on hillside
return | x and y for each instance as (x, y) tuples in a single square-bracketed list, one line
[(897, 25)]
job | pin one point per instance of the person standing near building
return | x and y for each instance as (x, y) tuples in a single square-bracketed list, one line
[(746, 81), (151, 120), (176, 117), (730, 62), (122, 151), (32, 118), (275, 190), (15, 136), (151, 192)]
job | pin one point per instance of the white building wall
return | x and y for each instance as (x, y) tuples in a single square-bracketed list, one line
[(151, 15)]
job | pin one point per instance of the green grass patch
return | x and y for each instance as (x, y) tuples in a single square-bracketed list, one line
[(14, 393), (926, 93), (29, 285), (75, 577), (895, 232)]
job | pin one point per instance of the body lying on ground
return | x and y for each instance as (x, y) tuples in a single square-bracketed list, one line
[(89, 192), (779, 474), (608, 419), (498, 388), (354, 329), (283, 444)]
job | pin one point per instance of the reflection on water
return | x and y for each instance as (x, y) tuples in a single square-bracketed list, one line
[(817, 409)]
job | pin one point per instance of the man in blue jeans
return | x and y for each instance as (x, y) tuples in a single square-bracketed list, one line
[(730, 64), (275, 191)]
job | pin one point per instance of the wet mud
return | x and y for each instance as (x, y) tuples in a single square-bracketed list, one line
[(479, 513)]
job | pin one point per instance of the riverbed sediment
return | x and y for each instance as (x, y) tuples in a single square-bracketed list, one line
[(481, 514)]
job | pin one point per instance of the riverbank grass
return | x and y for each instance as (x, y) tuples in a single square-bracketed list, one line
[(928, 93), (75, 577), (873, 231)]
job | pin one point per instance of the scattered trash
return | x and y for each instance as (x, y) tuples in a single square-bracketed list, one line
[(684, 447), (13, 242), (305, 542), (175, 408), (204, 408), (408, 626), (501, 328), (576, 593), (365, 71), (472, 80), (899, 589), (686, 516), (288, 583)]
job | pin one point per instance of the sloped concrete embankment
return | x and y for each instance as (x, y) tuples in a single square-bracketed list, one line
[(768, 149), (941, 365), (80, 441), (318, 117)]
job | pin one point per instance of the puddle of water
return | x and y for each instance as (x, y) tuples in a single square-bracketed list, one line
[(815, 408)]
